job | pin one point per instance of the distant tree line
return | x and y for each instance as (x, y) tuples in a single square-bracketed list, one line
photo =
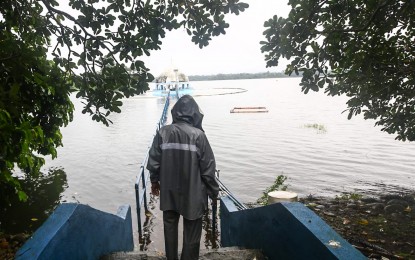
[(261, 75)]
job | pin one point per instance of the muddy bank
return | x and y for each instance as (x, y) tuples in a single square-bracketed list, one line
[(9, 244), (381, 227)]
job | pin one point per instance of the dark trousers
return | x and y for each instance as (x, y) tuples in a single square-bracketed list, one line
[(192, 231)]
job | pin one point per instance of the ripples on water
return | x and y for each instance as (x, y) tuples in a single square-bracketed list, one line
[(251, 149)]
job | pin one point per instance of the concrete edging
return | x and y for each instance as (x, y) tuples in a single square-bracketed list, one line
[(287, 230), (76, 231)]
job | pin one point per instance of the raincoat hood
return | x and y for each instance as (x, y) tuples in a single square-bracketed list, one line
[(187, 110)]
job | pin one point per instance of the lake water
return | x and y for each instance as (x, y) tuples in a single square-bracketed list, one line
[(251, 149)]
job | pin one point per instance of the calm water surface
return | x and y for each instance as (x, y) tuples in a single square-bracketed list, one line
[(251, 150)]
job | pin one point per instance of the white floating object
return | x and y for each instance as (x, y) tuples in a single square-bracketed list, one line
[(249, 110), (281, 196)]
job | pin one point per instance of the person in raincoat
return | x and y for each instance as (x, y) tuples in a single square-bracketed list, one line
[(182, 172)]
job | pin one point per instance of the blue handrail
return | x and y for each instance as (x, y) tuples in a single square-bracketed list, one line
[(143, 176)]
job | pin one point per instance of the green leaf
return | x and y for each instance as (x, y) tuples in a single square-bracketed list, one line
[(22, 195)]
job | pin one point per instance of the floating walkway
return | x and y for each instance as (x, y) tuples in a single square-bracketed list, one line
[(249, 110)]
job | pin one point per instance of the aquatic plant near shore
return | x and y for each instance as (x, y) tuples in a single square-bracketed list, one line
[(349, 196), (277, 185)]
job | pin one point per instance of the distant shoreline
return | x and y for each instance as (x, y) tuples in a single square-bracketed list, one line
[(261, 75)]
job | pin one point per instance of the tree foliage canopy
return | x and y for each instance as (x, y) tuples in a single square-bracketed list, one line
[(361, 48), (89, 47)]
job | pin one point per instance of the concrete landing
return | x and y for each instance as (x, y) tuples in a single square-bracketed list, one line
[(226, 253)]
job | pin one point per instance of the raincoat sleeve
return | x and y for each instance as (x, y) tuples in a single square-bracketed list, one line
[(207, 166), (154, 159)]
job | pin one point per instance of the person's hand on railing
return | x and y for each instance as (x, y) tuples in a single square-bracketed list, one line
[(155, 188)]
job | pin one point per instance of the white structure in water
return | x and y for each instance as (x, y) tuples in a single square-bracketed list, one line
[(173, 80)]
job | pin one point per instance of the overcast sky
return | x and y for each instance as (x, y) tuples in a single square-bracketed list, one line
[(235, 52)]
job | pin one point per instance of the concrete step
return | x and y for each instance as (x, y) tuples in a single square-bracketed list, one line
[(225, 253)]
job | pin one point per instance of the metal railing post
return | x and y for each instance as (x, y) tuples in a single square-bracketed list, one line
[(144, 187), (137, 202)]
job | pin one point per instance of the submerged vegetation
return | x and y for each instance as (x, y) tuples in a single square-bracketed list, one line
[(320, 128)]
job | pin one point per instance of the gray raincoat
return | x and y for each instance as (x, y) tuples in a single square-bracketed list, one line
[(182, 160)]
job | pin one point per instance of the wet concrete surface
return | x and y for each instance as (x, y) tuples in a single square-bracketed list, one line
[(226, 253)]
